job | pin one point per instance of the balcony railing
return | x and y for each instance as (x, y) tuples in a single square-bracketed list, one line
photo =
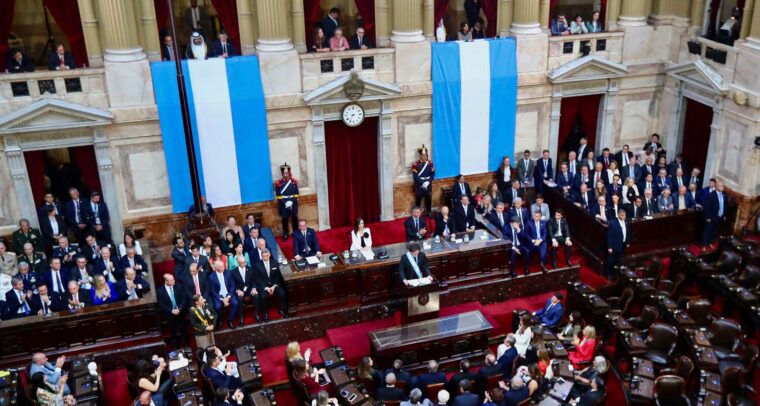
[(320, 68), (563, 49), (82, 86), (719, 56)]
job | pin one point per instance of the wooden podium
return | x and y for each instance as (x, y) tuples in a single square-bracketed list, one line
[(422, 302)]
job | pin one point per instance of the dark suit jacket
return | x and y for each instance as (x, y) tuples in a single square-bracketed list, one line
[(615, 239), (406, 271), (453, 385), (90, 253), (674, 183), (165, 56), (590, 398), (328, 27), (105, 218), (76, 275), (526, 217), (274, 278), (440, 224), (217, 50), (54, 60), (203, 266), (589, 203), (56, 304), (513, 397), (179, 260), (100, 266), (430, 378), (83, 295), (386, 393), (12, 305), (247, 284), (509, 198), (552, 228), (47, 229), (466, 399), (550, 316), (401, 376), (138, 260), (530, 231), (219, 379), (353, 42), (69, 213), (464, 219), (493, 217), (579, 180), (47, 278), (673, 166), (625, 172), (634, 212), (606, 164), (411, 230), (649, 206), (539, 172), (14, 66), (597, 210), (165, 302), (562, 182), (121, 287), (456, 192), (304, 246), (484, 373), (619, 158), (688, 200), (505, 363), (186, 283), (647, 170), (712, 206)]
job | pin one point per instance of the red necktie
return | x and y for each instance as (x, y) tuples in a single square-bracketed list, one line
[(61, 58)]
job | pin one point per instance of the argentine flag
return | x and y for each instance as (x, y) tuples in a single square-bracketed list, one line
[(228, 117), (474, 105)]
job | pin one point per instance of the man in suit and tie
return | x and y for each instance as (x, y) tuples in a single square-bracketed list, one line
[(459, 189), (465, 397), (194, 283), (444, 223), (270, 282), (589, 161), (623, 157), (716, 209), (615, 187), (605, 158), (705, 192), (647, 183), (19, 63), (694, 193), (49, 201), (257, 254), (526, 169), (583, 178), (74, 297), (694, 177), (390, 392), (564, 179), (56, 278), (75, 214), (17, 302), (222, 292), (134, 261), (514, 192), (61, 59), (98, 219), (559, 232), (551, 314), (618, 239), (179, 255), (583, 148), (599, 175), (632, 170), (330, 23), (82, 273), (489, 368), (572, 164), (601, 211), (464, 373), (251, 241), (648, 167), (305, 243), (415, 226), (584, 198), (197, 18), (245, 286), (520, 244), (507, 359), (464, 215), (662, 182), (359, 41), (107, 267), (648, 203), (544, 171), (654, 143), (431, 377), (497, 217), (536, 231), (173, 304), (132, 287), (222, 47), (413, 264), (167, 49), (522, 214), (45, 304), (676, 164), (683, 200), (634, 210), (195, 257)]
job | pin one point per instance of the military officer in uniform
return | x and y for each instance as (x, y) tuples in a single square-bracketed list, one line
[(26, 234), (286, 192), (36, 260), (423, 172)]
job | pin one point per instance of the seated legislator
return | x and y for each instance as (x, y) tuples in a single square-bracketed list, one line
[(75, 297), (66, 252), (218, 378), (251, 242), (270, 283), (338, 42), (36, 260), (665, 203), (518, 391), (132, 287), (51, 371), (26, 234), (572, 328), (305, 243), (19, 63), (513, 193), (541, 206), (146, 376), (245, 286), (507, 357), (308, 379), (520, 245), (203, 319), (91, 248), (630, 191), (489, 368), (536, 232), (431, 377), (684, 200), (444, 223), (221, 292), (584, 377), (559, 233), (601, 211), (56, 277), (8, 261), (649, 203), (464, 373), (361, 237), (239, 251), (390, 392), (636, 210), (415, 226), (551, 314), (413, 264), (464, 215), (522, 214), (581, 178), (195, 256), (134, 261), (594, 396), (584, 198), (584, 348), (498, 218), (459, 189), (108, 267), (17, 302), (44, 304), (102, 291)]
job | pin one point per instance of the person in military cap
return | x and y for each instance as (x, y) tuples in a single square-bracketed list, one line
[(286, 192), (423, 172), (26, 234)]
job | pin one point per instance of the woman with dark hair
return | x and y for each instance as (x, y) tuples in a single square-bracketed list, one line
[(504, 175), (478, 31), (301, 374), (218, 255), (207, 247), (232, 225), (595, 25), (572, 328), (495, 193), (361, 238), (239, 250), (147, 377), (129, 241), (49, 395), (366, 372), (523, 335), (464, 33), (319, 42), (228, 243), (578, 26)]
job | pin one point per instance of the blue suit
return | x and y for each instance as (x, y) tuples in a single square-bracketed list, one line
[(564, 179), (519, 243), (219, 380), (526, 217), (215, 288), (616, 241), (550, 316), (533, 233), (466, 399), (217, 49), (715, 210), (506, 361), (660, 184), (47, 277), (513, 397), (430, 378), (703, 194), (543, 172), (305, 246)]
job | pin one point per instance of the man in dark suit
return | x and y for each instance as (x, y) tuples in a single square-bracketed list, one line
[(715, 211), (17, 302), (75, 213), (551, 314), (132, 287), (66, 252), (649, 203), (107, 267), (507, 359), (194, 283), (465, 397), (599, 175), (401, 375), (632, 170), (413, 265), (415, 226), (583, 149), (601, 211), (173, 303), (662, 182), (618, 239), (98, 219), (605, 158), (683, 200), (19, 63), (222, 47), (677, 163), (589, 161), (559, 232), (623, 157), (695, 178), (245, 286), (573, 166), (584, 198), (518, 391), (167, 49), (220, 379), (179, 255), (30, 278), (459, 189), (44, 304), (251, 241), (489, 368), (520, 243), (594, 395), (444, 223), (330, 23), (498, 217), (256, 255), (544, 171), (195, 257), (519, 212), (654, 143), (222, 293), (82, 273), (464, 373), (61, 59), (305, 243), (91, 248), (536, 232), (431, 377), (134, 261), (49, 201), (513, 193), (390, 392), (583, 178), (564, 179), (648, 168), (634, 210), (705, 192), (359, 41), (526, 168), (56, 277), (74, 297), (269, 282), (464, 215)]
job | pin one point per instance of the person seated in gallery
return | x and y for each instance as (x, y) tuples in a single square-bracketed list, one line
[(232, 259), (485, 207), (74, 298), (270, 283), (206, 211), (17, 301), (595, 24), (541, 206), (107, 267), (222, 47), (360, 40), (134, 261), (103, 291), (572, 328), (361, 237), (665, 202), (319, 42), (413, 265), (584, 198), (222, 293), (61, 59), (513, 193), (197, 48), (132, 287), (559, 25), (684, 200), (578, 26), (551, 314), (564, 179), (26, 234), (584, 348), (305, 242), (19, 63), (431, 377), (338, 42), (478, 31), (583, 379), (558, 232), (654, 143), (583, 178), (601, 211), (53, 227), (415, 226), (498, 217)]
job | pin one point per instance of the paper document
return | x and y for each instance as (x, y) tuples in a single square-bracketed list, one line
[(313, 260), (177, 364), (368, 254)]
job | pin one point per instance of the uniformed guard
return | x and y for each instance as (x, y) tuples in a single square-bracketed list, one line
[(423, 172), (286, 190)]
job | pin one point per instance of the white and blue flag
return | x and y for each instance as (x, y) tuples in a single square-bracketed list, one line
[(474, 105), (228, 117)]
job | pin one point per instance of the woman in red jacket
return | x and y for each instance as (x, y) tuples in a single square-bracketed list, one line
[(300, 373), (584, 349)]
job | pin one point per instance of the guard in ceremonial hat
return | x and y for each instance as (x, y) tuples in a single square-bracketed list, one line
[(286, 192), (423, 172)]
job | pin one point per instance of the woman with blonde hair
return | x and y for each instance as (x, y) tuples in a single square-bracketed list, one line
[(584, 349), (630, 191), (102, 291)]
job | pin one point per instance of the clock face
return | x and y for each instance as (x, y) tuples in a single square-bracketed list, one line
[(353, 115)]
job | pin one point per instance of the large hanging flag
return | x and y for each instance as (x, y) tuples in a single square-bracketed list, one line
[(474, 105), (228, 116)]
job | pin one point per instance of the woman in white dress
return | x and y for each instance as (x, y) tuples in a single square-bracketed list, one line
[(523, 335), (129, 242), (630, 191), (361, 238)]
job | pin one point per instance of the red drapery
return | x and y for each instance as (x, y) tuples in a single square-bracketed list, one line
[(603, 13), (162, 14), (227, 11), (583, 108), (6, 22), (367, 11), (440, 9), (712, 29), (84, 159), (696, 133), (352, 173), (491, 10), (66, 15), (35, 167), (311, 15)]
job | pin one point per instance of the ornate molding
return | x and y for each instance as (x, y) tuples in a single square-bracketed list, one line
[(333, 92), (587, 68), (53, 115), (699, 75)]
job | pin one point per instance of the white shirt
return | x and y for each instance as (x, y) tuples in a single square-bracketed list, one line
[(222, 287), (522, 341), (356, 240), (57, 281), (242, 275), (622, 227), (54, 225)]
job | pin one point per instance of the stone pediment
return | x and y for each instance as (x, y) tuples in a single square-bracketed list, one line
[(699, 74), (587, 68), (335, 92), (52, 115)]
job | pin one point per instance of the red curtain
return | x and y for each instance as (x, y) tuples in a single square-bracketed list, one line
[(66, 15), (352, 173), (35, 167), (602, 13), (440, 9), (367, 11), (711, 25), (227, 11), (311, 17), (491, 10), (583, 108), (84, 159), (162, 14), (696, 133), (6, 22)]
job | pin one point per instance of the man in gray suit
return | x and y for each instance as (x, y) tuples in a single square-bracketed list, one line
[(525, 169), (197, 19)]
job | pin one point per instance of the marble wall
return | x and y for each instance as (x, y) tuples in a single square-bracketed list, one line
[(531, 129)]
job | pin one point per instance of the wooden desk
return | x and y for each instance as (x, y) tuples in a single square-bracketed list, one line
[(351, 395), (245, 353), (643, 388), (633, 344), (711, 399), (556, 349), (711, 381), (332, 357), (561, 391), (194, 398), (644, 368), (706, 358), (339, 376), (565, 370)]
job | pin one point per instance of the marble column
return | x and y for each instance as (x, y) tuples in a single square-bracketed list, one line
[(20, 176), (613, 12), (91, 33), (151, 41), (246, 24), (674, 138), (504, 17), (320, 170), (407, 21), (608, 110), (428, 17), (712, 146), (105, 171), (525, 18), (633, 13), (554, 117), (382, 25), (273, 26), (122, 43), (697, 12), (299, 25), (543, 14), (385, 160), (747, 18)]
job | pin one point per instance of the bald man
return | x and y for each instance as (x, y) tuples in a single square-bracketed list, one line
[(173, 304)]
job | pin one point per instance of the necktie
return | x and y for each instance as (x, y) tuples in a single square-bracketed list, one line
[(585, 201), (76, 210), (44, 300), (720, 204), (680, 183), (559, 229), (693, 179), (171, 296), (625, 159), (222, 286), (501, 220), (266, 265), (416, 224), (197, 285), (550, 306), (519, 214), (514, 194), (681, 203), (359, 40), (565, 177), (606, 162), (515, 240), (58, 281), (461, 187), (24, 306), (224, 48), (596, 178), (61, 58)]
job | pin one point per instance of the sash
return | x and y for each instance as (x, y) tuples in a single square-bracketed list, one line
[(423, 168), (285, 187), (414, 264)]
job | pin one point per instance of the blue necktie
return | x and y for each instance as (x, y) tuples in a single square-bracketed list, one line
[(417, 269), (720, 204), (171, 296), (23, 304)]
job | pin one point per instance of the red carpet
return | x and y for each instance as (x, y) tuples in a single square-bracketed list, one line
[(272, 359)]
